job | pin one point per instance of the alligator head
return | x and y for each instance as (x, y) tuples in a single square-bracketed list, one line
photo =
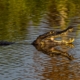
[(50, 37)]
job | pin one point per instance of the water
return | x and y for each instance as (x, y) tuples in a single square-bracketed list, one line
[(23, 61)]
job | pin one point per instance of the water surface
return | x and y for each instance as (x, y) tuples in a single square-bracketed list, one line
[(22, 24)]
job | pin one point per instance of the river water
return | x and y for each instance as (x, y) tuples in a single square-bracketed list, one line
[(22, 61)]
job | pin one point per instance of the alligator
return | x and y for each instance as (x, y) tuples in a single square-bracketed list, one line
[(49, 37), (48, 44)]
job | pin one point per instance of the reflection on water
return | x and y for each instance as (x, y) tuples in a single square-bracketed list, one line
[(22, 21), (57, 68), (59, 50)]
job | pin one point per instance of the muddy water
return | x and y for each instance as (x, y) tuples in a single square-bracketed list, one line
[(22, 61)]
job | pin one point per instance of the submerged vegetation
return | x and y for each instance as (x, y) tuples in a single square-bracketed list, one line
[(17, 15)]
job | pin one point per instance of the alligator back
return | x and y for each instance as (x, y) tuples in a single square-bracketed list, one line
[(4, 43)]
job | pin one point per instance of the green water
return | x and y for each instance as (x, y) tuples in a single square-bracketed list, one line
[(21, 21)]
